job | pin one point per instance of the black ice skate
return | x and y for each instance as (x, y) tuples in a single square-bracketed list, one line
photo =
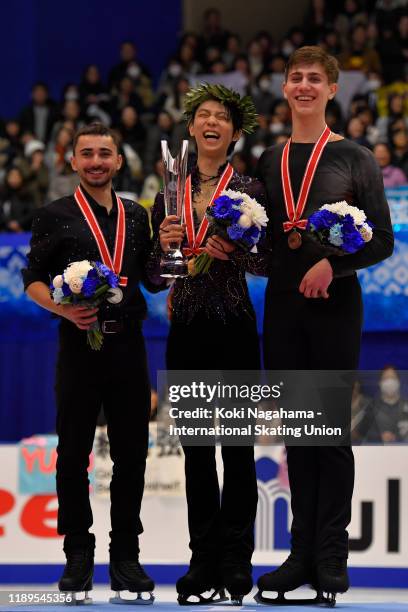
[(201, 578), (77, 576), (332, 578), (130, 576), (237, 579), (292, 574)]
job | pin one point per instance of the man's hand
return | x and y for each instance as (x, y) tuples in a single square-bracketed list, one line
[(218, 247), (170, 232), (82, 316), (317, 280)]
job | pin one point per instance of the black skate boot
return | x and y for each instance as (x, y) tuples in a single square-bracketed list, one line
[(202, 577), (332, 578), (237, 579), (130, 576), (295, 572), (78, 574)]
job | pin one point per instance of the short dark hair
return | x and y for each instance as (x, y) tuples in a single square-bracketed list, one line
[(95, 129), (314, 55)]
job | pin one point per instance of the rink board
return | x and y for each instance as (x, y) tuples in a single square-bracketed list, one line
[(31, 551)]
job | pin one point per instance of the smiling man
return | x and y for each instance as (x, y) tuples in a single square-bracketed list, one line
[(313, 308), (71, 229)]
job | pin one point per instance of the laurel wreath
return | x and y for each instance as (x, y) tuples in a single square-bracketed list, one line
[(228, 97)]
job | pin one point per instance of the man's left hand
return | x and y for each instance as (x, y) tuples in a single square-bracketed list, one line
[(317, 280), (218, 247)]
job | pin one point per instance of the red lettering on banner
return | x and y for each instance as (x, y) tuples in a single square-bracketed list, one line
[(29, 458), (35, 514), (7, 502), (40, 454), (51, 466)]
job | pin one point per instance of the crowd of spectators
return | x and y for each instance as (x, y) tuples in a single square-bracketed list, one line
[(370, 37)]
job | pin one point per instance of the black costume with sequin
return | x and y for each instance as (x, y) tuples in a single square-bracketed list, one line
[(320, 334), (213, 327), (115, 377)]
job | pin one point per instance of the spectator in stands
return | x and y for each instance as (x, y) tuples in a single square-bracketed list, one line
[(318, 18), (355, 131), (126, 96), (281, 119), (392, 175), (57, 153), (386, 417), (132, 131), (16, 204), (387, 13), (187, 58), (241, 164), (91, 89), (359, 55), (350, 16), (366, 116), (39, 117), (174, 103), (334, 117), (267, 44), (168, 78), (262, 95), (294, 39), (13, 146), (153, 183), (359, 405), (62, 183), (399, 145), (34, 171), (395, 111), (70, 117), (163, 129), (330, 41), (214, 34), (255, 58), (129, 66)]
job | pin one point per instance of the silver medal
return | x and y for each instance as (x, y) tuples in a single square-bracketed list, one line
[(115, 295)]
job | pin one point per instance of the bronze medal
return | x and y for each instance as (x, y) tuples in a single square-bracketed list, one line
[(294, 240)]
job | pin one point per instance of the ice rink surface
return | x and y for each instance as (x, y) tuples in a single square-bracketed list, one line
[(356, 600)]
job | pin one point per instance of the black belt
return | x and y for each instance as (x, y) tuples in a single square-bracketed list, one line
[(117, 326)]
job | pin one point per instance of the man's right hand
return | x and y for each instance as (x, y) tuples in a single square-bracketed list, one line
[(82, 316), (170, 232)]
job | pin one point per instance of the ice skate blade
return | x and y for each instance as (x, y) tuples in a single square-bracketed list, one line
[(236, 600), (138, 601), (85, 601), (328, 600), (183, 600)]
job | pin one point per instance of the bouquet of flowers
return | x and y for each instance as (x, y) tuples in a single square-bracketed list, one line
[(237, 217), (87, 283), (340, 227)]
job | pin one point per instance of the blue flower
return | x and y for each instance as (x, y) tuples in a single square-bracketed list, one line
[(235, 231), (352, 240), (336, 235), (223, 208), (89, 286), (252, 234), (66, 290), (110, 277), (322, 219)]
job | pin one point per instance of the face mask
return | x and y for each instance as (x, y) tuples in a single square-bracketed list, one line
[(133, 71), (276, 128), (287, 49), (373, 84), (389, 386), (175, 70), (71, 94)]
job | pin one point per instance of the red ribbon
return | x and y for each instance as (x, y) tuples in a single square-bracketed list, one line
[(116, 264), (194, 242), (295, 212)]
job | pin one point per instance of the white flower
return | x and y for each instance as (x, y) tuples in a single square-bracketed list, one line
[(57, 295), (76, 285), (343, 209), (77, 269), (58, 281), (245, 221), (249, 207)]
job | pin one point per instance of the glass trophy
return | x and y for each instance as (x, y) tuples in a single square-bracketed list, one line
[(173, 263)]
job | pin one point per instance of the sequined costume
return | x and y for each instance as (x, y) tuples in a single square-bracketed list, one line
[(213, 327)]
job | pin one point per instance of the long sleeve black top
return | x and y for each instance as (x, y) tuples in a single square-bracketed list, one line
[(61, 235), (346, 171)]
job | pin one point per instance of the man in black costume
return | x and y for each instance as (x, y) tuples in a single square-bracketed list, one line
[(94, 224), (313, 307)]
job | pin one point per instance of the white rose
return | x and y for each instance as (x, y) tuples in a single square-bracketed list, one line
[(76, 285), (366, 232), (77, 269), (58, 281), (259, 216), (245, 221)]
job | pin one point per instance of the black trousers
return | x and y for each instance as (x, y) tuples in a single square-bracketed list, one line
[(116, 378), (221, 528), (317, 334)]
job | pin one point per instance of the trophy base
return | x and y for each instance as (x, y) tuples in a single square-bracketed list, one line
[(174, 267)]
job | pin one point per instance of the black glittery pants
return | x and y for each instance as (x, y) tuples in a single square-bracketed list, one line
[(221, 527), (317, 334), (116, 378)]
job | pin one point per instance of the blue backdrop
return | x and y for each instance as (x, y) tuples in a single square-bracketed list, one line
[(53, 41), (28, 333)]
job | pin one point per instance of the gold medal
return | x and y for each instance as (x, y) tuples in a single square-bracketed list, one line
[(294, 240)]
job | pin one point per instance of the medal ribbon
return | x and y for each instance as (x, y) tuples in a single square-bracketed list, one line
[(116, 264), (194, 242), (295, 212)]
